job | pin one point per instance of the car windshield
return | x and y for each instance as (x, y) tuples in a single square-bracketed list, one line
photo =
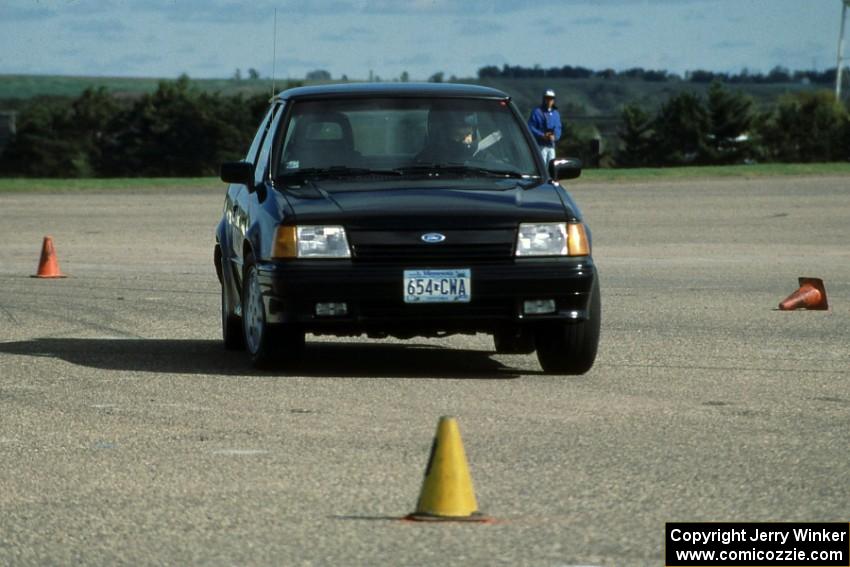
[(407, 136)]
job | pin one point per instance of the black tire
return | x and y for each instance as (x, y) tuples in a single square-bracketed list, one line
[(269, 346), (231, 323), (513, 341), (570, 348)]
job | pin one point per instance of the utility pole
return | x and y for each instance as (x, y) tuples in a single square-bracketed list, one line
[(274, 53), (839, 68)]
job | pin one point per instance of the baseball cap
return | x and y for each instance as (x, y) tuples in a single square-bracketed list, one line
[(549, 93)]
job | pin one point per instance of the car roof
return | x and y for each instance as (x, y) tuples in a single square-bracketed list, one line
[(427, 90)]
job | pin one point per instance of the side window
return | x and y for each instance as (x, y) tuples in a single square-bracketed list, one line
[(258, 137), (261, 165)]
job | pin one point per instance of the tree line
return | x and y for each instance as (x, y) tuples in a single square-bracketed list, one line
[(181, 131), (724, 127), (175, 131), (776, 75)]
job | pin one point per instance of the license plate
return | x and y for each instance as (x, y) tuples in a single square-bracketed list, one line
[(437, 286)]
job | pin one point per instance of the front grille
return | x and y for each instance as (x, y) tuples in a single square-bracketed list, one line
[(405, 253), (459, 247)]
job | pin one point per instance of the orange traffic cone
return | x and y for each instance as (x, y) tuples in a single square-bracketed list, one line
[(811, 295), (48, 265)]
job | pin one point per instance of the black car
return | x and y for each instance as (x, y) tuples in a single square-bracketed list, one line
[(403, 210)]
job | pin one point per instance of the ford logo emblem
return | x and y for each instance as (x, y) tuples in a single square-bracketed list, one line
[(433, 237)]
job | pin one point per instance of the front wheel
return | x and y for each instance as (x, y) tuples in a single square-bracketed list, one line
[(570, 348), (231, 325), (268, 345)]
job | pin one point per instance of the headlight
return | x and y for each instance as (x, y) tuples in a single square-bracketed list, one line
[(310, 242), (539, 239), (552, 239), (322, 242)]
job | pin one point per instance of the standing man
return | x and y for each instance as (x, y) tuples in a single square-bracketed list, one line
[(545, 125)]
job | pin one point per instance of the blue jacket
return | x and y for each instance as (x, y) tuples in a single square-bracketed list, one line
[(542, 120)]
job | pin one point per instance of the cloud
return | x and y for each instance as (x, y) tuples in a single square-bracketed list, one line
[(483, 7), (353, 36), (553, 28), (350, 34), (100, 27), (477, 26), (589, 21), (137, 59), (600, 21), (489, 59), (24, 11), (260, 11), (695, 16), (732, 44), (548, 27), (501, 6), (417, 59), (229, 11), (212, 12), (416, 6), (285, 63), (635, 2)]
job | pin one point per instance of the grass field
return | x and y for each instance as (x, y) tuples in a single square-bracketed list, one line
[(23, 184), (706, 172), (645, 175)]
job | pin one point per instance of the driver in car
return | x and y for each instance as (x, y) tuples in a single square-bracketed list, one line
[(451, 138)]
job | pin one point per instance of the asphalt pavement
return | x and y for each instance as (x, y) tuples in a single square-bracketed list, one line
[(129, 436)]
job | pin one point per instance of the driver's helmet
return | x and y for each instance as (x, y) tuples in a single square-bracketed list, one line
[(453, 131)]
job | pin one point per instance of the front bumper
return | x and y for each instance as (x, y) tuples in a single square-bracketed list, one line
[(374, 295)]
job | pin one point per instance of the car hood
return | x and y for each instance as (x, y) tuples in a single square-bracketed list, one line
[(410, 204)]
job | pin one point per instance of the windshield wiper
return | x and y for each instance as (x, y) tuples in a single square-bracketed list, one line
[(512, 173), (463, 169), (338, 171)]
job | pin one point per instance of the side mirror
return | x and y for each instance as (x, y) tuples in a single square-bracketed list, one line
[(566, 168), (240, 172)]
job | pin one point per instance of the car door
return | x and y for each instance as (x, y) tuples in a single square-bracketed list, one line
[(237, 207), (247, 201)]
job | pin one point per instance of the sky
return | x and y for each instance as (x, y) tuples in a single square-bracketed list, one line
[(212, 38)]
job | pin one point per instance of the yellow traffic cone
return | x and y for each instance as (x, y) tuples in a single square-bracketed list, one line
[(447, 492)]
